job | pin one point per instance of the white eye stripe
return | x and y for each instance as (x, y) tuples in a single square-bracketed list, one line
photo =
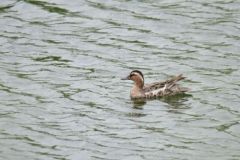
[(137, 74)]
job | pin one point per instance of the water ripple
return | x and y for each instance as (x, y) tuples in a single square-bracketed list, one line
[(61, 93)]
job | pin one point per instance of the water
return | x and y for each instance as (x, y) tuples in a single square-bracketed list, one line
[(61, 94)]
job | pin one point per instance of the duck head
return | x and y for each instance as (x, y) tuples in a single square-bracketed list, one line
[(137, 77)]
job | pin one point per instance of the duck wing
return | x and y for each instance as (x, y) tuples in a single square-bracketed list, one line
[(168, 87)]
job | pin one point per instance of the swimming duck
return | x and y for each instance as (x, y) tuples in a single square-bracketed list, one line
[(153, 90)]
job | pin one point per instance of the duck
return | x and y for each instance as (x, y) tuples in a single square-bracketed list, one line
[(168, 87)]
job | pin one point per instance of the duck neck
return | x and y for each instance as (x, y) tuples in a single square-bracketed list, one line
[(139, 84), (137, 90)]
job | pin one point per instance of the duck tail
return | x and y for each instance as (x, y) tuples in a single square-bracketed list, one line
[(178, 78), (173, 86)]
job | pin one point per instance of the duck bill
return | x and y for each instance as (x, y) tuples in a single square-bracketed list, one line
[(125, 78)]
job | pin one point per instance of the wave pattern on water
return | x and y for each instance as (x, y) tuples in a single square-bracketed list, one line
[(61, 94)]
